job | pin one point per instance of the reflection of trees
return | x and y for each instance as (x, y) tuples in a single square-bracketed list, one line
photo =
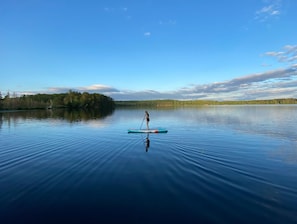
[(83, 115), (68, 115), (1, 120)]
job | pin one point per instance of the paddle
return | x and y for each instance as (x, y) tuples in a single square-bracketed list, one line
[(142, 122)]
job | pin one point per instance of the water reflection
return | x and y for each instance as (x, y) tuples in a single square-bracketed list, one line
[(39, 160), (270, 120), (13, 117), (147, 142), (286, 153), (273, 121), (1, 121)]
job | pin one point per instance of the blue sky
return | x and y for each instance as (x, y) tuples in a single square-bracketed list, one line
[(150, 49)]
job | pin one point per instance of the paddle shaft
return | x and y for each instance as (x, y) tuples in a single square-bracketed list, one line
[(142, 122)]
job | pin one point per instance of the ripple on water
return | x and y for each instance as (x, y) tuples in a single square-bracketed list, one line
[(204, 172)]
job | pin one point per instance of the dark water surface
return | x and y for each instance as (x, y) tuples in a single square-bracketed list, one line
[(217, 164)]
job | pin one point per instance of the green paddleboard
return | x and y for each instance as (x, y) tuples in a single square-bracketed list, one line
[(157, 130)]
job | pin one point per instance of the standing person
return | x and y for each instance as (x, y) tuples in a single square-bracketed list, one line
[(147, 118)]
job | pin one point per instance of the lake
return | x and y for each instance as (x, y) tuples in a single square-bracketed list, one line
[(216, 164)]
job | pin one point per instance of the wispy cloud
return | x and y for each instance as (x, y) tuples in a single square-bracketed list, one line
[(147, 34), (271, 9), (95, 88), (278, 83), (281, 83), (167, 22), (288, 54), (98, 87)]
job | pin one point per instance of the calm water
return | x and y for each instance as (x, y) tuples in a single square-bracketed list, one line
[(218, 164)]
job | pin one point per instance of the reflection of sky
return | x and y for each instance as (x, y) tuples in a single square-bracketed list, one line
[(287, 153), (276, 121), (271, 120)]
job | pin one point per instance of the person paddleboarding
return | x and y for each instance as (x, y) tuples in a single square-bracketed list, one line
[(147, 118)]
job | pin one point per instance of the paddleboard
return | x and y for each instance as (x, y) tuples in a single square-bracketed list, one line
[(157, 130)]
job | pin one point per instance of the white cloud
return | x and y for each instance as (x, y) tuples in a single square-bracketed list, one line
[(278, 83), (291, 49), (281, 83), (274, 54), (271, 10), (275, 12), (147, 34), (97, 87), (288, 55)]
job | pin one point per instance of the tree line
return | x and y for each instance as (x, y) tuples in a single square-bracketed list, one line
[(71, 100), (178, 103)]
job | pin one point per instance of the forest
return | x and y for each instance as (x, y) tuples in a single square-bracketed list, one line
[(179, 103), (77, 100), (71, 100)]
